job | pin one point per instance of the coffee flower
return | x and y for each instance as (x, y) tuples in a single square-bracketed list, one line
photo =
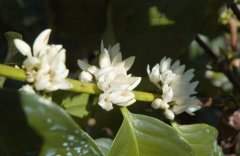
[(111, 77), (45, 64), (175, 86)]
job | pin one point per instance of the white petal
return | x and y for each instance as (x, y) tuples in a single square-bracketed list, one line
[(193, 85), (155, 75), (83, 65), (128, 62), (134, 82), (165, 65), (117, 59), (104, 59), (192, 109), (177, 109), (169, 114), (102, 46), (92, 69), (42, 82), (23, 47), (121, 97), (85, 77), (41, 41), (167, 93), (148, 70), (188, 75), (128, 103), (104, 103), (30, 63), (179, 70), (175, 65), (115, 50)]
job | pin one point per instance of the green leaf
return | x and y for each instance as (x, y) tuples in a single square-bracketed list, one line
[(13, 56), (104, 144), (76, 104), (202, 138), (59, 134), (142, 135)]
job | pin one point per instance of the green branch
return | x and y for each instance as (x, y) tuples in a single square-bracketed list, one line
[(78, 86)]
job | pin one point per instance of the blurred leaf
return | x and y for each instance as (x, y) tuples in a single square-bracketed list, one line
[(2, 80), (13, 55), (104, 144), (60, 133), (147, 136), (202, 138), (76, 104), (178, 22), (157, 18)]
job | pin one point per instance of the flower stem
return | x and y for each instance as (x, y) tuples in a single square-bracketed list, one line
[(78, 86)]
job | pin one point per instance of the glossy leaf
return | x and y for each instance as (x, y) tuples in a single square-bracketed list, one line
[(58, 133), (76, 104), (104, 144), (142, 135), (202, 138)]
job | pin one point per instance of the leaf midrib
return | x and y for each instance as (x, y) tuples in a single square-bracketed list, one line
[(127, 117)]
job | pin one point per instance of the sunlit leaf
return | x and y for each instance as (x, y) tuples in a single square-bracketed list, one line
[(104, 144), (202, 138), (142, 135), (76, 104)]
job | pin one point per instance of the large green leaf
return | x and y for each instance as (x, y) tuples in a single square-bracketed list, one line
[(142, 135), (59, 134), (202, 138), (153, 29), (104, 144)]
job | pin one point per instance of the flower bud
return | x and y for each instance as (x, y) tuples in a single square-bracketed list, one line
[(85, 76), (169, 114)]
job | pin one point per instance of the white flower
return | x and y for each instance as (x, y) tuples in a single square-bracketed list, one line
[(45, 64), (27, 89), (176, 87), (111, 77)]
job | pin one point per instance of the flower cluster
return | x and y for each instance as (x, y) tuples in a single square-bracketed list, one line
[(44, 64), (175, 86), (111, 77)]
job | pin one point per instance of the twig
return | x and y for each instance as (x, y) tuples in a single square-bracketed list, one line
[(234, 8), (223, 64), (78, 86), (206, 48)]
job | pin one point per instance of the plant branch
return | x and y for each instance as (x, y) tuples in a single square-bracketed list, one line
[(223, 64), (206, 48), (231, 4), (78, 86)]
